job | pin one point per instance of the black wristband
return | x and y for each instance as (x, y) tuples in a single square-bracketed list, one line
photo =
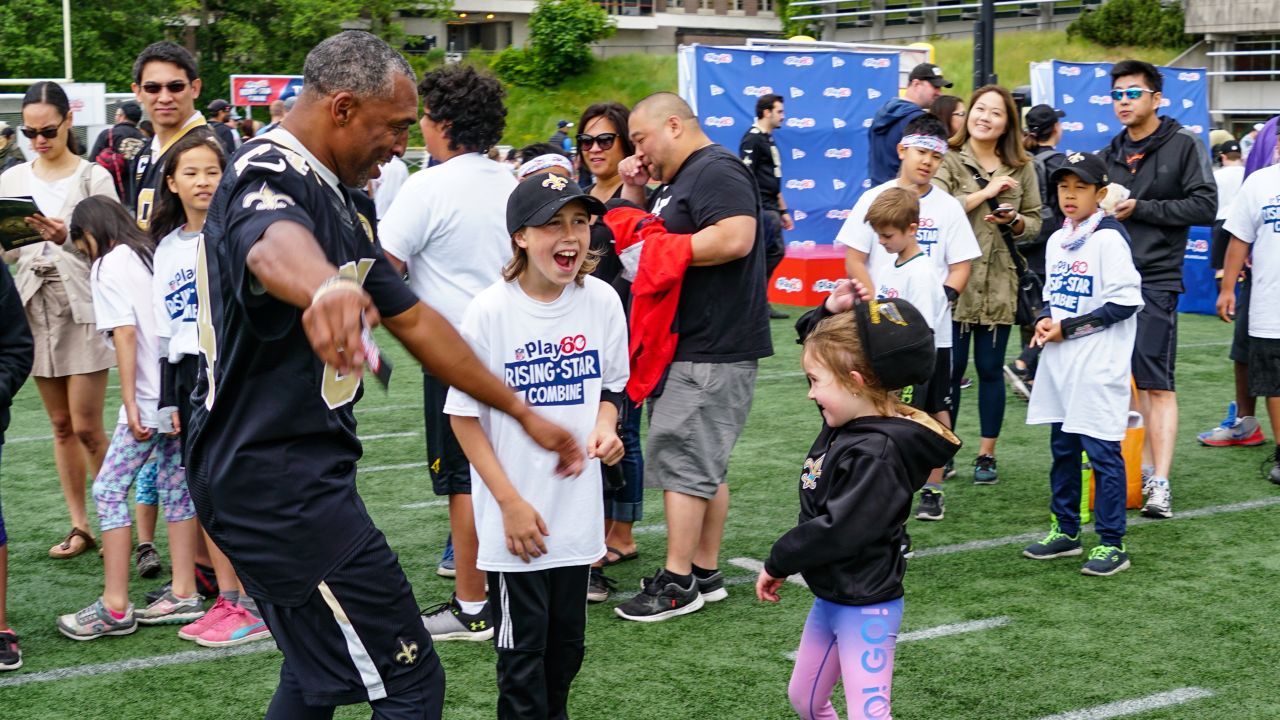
[(1081, 326), (952, 293), (617, 398)]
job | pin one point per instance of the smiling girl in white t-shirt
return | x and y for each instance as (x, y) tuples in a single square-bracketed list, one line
[(559, 339)]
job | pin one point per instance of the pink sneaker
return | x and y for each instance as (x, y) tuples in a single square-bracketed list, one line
[(215, 614), (237, 627)]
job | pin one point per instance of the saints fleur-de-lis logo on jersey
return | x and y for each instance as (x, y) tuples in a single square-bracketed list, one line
[(408, 654), (264, 198), (811, 474), (555, 182)]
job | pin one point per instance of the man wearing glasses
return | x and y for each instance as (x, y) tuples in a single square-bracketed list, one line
[(167, 84), (760, 154), (1170, 180)]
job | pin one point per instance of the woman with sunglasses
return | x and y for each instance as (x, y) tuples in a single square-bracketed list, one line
[(603, 141), (989, 172), (71, 361)]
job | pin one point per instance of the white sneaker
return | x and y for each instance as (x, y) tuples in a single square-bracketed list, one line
[(1159, 499)]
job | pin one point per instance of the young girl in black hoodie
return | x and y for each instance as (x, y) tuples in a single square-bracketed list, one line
[(872, 455)]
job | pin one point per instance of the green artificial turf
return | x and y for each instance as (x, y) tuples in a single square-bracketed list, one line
[(1197, 608)]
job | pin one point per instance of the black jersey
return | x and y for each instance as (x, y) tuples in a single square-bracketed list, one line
[(272, 443), (759, 153), (148, 168)]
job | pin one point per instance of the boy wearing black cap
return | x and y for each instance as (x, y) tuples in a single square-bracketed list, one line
[(559, 339), (1087, 330)]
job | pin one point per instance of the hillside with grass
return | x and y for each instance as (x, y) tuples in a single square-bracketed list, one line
[(532, 113)]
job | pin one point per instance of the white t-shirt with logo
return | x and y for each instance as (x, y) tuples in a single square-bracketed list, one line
[(448, 223), (1255, 218), (122, 296), (1084, 383), (945, 235), (558, 357), (915, 281), (174, 293)]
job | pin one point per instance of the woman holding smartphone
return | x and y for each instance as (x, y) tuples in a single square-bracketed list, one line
[(990, 173), (71, 360)]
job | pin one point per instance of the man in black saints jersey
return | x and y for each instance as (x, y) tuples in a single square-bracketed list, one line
[(167, 83), (287, 278)]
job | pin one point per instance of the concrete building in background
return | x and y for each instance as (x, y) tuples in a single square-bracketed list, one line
[(1241, 48)]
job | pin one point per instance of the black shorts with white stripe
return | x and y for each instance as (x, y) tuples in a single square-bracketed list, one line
[(540, 631), (358, 637)]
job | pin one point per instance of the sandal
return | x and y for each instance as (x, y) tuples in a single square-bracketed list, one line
[(64, 550), (622, 557)]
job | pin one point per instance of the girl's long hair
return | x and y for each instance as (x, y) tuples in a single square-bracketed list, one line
[(110, 225), (169, 214)]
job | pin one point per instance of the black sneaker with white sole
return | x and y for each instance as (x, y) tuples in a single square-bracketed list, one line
[(10, 653), (147, 560), (930, 507), (447, 621), (712, 587), (599, 586), (660, 598)]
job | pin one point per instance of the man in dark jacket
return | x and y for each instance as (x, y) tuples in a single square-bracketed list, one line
[(16, 350), (924, 85), (1170, 180), (126, 139)]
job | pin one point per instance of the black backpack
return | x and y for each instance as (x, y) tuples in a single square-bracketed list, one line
[(1050, 214)]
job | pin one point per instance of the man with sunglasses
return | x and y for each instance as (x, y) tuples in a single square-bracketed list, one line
[(166, 82), (1170, 180), (760, 154)]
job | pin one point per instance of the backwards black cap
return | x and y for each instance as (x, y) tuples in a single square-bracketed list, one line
[(897, 340)]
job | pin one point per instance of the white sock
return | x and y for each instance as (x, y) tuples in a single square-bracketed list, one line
[(472, 608)]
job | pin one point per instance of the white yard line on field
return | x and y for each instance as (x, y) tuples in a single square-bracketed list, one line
[(756, 566), (388, 436), (425, 504), (943, 631), (1135, 706), (142, 663), (384, 468)]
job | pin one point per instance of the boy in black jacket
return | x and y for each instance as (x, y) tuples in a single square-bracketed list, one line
[(872, 455), (16, 350), (1170, 180)]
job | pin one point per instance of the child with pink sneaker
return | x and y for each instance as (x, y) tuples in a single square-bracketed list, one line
[(182, 204)]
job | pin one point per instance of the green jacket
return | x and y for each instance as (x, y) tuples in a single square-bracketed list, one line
[(990, 298)]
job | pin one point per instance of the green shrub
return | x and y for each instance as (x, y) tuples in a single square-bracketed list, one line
[(1133, 22), (560, 32)]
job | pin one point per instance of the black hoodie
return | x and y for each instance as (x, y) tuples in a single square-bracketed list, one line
[(1174, 188), (855, 496), (16, 347)]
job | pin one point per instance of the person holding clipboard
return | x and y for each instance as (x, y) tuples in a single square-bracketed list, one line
[(71, 361)]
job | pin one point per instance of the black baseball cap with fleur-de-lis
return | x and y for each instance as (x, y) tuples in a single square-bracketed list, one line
[(537, 199), (1086, 166)]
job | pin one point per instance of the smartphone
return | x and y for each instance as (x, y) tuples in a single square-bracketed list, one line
[(1003, 210)]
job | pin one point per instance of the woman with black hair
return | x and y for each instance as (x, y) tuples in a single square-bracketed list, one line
[(71, 361), (603, 141)]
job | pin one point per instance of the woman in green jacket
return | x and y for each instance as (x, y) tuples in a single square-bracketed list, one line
[(991, 175)]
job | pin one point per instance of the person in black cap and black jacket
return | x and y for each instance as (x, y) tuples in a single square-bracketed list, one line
[(872, 455), (1170, 180), (924, 85)]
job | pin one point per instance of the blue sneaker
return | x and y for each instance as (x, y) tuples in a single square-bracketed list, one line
[(1054, 545), (984, 470), (1106, 560), (446, 567)]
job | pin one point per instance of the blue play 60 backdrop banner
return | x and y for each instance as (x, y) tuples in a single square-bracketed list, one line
[(830, 99), (1083, 92)]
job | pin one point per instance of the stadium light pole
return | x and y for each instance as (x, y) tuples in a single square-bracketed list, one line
[(984, 41)]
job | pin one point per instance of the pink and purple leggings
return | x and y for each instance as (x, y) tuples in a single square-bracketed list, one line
[(124, 461), (851, 642)]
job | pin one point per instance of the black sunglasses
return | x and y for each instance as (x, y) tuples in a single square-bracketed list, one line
[(173, 86), (49, 133), (604, 141)]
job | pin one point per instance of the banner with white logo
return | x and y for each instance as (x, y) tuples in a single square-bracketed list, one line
[(829, 98), (1083, 92)]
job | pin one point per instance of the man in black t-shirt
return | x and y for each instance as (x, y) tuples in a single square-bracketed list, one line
[(723, 326), (288, 276), (759, 153)]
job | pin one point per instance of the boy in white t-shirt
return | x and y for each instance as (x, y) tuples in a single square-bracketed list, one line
[(559, 339), (1082, 385), (946, 238), (1254, 225)]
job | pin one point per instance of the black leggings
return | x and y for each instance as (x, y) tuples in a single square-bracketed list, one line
[(989, 345)]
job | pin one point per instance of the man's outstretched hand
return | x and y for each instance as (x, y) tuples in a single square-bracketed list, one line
[(551, 436)]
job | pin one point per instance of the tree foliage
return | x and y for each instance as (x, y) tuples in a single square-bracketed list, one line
[(560, 32), (1144, 23), (230, 36)]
